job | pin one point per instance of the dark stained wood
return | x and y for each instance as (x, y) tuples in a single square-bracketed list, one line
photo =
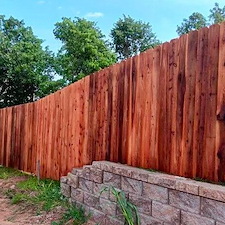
[(220, 124), (155, 109), (135, 112), (163, 109), (145, 106), (181, 89), (200, 100), (187, 155), (163, 116), (173, 103), (211, 98)]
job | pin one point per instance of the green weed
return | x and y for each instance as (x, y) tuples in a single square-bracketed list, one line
[(42, 194), (18, 197), (45, 193), (6, 173), (73, 214), (128, 209)]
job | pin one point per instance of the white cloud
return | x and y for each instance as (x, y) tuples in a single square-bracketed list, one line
[(60, 7), (94, 15), (41, 2)]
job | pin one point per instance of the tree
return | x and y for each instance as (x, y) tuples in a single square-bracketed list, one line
[(194, 22), (24, 65), (217, 14), (130, 37), (84, 49), (48, 86)]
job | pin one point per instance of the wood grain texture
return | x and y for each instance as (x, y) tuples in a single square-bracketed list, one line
[(163, 109)]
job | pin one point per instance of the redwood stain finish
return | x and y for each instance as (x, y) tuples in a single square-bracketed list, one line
[(163, 109)]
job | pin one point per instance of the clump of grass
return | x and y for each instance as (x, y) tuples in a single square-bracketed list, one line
[(152, 170), (18, 197), (15, 197), (43, 195), (74, 215), (6, 173)]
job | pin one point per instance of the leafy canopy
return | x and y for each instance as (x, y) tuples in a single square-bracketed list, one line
[(194, 22), (197, 20), (84, 49), (217, 14), (24, 65), (129, 37)]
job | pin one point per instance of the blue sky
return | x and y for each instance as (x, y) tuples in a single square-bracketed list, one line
[(163, 15)]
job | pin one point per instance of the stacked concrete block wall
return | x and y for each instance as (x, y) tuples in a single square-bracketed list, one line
[(160, 198)]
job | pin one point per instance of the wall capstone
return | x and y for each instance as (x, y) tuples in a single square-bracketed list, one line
[(160, 198)]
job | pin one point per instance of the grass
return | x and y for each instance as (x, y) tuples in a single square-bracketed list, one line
[(74, 215), (42, 195), (47, 192), (152, 170), (6, 173)]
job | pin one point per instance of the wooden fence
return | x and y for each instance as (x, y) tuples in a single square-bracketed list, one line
[(163, 109)]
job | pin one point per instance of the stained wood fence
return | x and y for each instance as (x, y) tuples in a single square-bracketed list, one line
[(163, 109)]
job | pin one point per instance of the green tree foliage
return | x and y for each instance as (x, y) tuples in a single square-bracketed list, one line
[(24, 65), (130, 37), (197, 20), (49, 85), (217, 14), (194, 22), (84, 49)]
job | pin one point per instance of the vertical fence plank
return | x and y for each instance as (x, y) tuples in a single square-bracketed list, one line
[(135, 115), (173, 102), (126, 110), (146, 75), (220, 112), (56, 127), (200, 101), (80, 119), (114, 119), (8, 133), (211, 107), (187, 157), (3, 150), (162, 104), (86, 152), (155, 110), (181, 89), (98, 112)]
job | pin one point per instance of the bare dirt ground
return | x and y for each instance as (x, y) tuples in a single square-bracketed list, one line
[(22, 214)]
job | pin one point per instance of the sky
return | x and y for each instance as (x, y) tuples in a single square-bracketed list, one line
[(163, 15)]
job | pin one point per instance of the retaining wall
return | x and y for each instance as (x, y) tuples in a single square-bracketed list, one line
[(160, 198)]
